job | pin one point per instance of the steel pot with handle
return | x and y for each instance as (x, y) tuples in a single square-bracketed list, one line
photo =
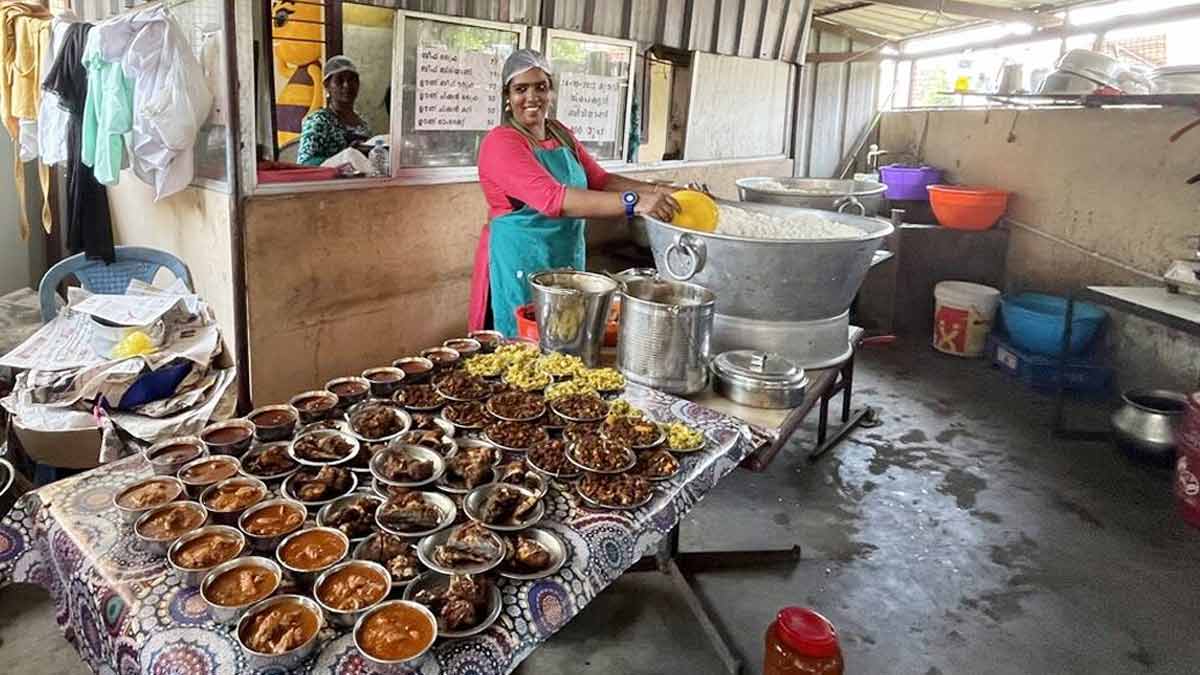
[(860, 197), (665, 334), (1146, 424)]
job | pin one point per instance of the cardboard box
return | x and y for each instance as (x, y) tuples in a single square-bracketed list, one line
[(74, 449)]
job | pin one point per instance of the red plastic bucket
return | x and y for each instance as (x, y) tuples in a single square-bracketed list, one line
[(527, 322), (1187, 463)]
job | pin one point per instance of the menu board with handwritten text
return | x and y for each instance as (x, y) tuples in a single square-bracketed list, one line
[(456, 90), (590, 105)]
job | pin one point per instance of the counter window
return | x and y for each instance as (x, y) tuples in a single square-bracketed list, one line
[(594, 78), (449, 78)]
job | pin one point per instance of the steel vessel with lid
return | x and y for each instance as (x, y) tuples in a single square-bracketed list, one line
[(759, 379)]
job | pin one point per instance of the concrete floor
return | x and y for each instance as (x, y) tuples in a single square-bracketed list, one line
[(955, 538)]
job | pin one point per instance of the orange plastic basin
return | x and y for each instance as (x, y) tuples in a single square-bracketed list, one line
[(961, 207), (527, 323)]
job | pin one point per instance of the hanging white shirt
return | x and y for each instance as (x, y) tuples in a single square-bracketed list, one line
[(170, 97), (52, 120)]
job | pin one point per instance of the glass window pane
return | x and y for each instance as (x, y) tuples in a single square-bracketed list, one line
[(592, 91), (459, 89)]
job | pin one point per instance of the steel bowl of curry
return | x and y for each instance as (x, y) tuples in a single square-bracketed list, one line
[(196, 553), (280, 633), (315, 405), (167, 457), (394, 634), (231, 587), (311, 551), (138, 498), (199, 474), (274, 422), (266, 524), (230, 437), (227, 500), (159, 527), (348, 589)]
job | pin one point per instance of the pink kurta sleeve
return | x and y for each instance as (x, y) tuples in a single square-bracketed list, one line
[(507, 162)]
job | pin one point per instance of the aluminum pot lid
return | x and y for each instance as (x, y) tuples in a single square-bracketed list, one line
[(762, 368)]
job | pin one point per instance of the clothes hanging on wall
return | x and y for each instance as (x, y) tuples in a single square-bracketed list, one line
[(143, 80), (24, 39), (88, 221), (53, 120)]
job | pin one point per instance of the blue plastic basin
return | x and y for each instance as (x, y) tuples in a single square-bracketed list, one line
[(1034, 322)]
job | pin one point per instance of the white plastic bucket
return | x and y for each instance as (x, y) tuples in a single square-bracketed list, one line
[(962, 317)]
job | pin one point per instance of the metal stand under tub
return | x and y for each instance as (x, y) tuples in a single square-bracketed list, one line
[(778, 426)]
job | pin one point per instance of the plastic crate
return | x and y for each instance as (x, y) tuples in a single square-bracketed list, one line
[(1082, 375)]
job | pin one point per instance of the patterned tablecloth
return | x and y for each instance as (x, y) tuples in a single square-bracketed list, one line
[(125, 611)]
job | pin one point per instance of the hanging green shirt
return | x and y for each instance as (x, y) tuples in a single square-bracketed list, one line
[(107, 113), (323, 135)]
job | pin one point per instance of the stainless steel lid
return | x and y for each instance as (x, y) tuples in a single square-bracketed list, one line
[(759, 370)]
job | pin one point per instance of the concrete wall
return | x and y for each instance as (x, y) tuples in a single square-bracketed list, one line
[(14, 251), (1099, 198), (193, 224), (340, 281)]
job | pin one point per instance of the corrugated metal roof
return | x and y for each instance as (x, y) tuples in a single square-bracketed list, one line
[(895, 22)]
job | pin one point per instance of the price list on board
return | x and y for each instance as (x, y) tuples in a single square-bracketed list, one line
[(456, 90)]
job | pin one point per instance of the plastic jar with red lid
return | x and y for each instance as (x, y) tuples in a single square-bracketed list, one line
[(802, 642)]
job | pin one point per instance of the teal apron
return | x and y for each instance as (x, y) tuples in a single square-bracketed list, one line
[(525, 241)]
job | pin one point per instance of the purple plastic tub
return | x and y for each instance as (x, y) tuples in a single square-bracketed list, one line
[(909, 182)]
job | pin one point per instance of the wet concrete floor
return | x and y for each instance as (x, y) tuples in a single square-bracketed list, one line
[(957, 537)]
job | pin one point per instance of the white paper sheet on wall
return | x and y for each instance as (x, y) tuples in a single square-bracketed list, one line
[(457, 90), (589, 105)]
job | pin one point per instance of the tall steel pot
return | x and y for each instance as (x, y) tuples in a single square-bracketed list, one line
[(665, 334)]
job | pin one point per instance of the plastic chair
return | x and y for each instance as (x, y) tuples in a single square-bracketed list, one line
[(131, 262)]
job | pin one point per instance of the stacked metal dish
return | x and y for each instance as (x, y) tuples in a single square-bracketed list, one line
[(827, 194)]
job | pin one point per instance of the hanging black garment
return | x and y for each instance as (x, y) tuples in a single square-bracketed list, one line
[(89, 224)]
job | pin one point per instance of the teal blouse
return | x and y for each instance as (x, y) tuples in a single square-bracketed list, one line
[(323, 135)]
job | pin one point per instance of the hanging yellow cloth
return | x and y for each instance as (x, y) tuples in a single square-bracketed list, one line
[(24, 38)]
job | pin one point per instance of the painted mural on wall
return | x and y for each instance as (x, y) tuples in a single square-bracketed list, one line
[(298, 37)]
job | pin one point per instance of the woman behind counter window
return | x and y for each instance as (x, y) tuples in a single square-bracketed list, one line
[(540, 183), (332, 129)]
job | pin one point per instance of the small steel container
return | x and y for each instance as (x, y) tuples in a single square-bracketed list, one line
[(443, 358), (289, 660), (231, 517), (759, 379), (268, 544), (347, 400), (488, 340), (170, 467), (474, 501), (306, 577), (193, 576), (228, 614), (195, 489), (411, 451), (129, 515), (235, 448), (275, 432), (415, 377), (321, 434), (466, 347), (402, 666), (327, 409), (360, 408), (160, 546), (268, 478), (342, 618), (385, 386)]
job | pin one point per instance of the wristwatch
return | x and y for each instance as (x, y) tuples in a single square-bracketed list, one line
[(630, 200)]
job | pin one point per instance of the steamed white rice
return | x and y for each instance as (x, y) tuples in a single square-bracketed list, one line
[(738, 222)]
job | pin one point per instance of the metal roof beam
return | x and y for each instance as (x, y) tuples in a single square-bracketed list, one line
[(971, 9), (870, 39)]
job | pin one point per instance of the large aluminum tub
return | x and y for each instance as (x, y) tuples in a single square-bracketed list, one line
[(770, 279), (858, 197)]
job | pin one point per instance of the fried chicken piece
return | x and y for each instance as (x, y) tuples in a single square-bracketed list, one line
[(528, 554), (411, 513)]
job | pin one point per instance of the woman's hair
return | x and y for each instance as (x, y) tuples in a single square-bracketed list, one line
[(554, 128)]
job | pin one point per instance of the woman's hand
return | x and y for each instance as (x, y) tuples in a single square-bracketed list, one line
[(658, 205)]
